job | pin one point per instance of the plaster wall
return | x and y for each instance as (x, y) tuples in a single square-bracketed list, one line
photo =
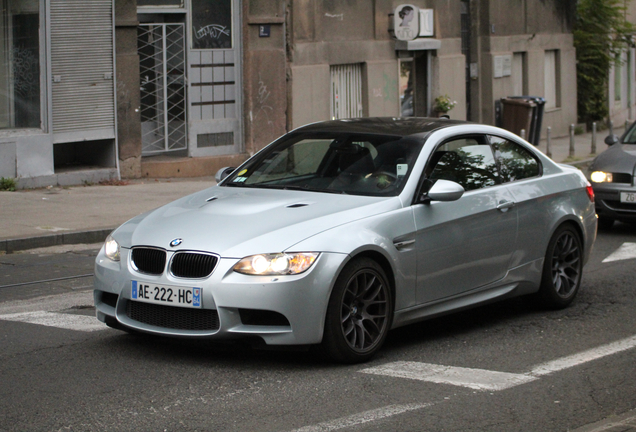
[(449, 76), (264, 74), (127, 75), (34, 156), (534, 46), (309, 101), (382, 92)]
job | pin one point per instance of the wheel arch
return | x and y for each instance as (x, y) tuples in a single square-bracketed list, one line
[(575, 224), (384, 262)]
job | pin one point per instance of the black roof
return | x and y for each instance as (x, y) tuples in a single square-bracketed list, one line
[(381, 125)]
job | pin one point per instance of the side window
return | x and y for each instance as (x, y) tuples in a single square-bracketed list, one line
[(467, 161), (515, 162)]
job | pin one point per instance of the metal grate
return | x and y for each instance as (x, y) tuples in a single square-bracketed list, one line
[(346, 91), (82, 67), (149, 260), (176, 318), (162, 69), (109, 299), (622, 178), (215, 139), (192, 265)]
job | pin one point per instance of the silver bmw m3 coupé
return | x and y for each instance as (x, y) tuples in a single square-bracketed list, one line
[(339, 231)]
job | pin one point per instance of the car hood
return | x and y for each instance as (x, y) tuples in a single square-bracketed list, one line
[(236, 222), (619, 158)]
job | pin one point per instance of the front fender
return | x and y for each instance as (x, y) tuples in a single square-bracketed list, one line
[(375, 235)]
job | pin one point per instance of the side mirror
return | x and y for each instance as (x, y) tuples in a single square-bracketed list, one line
[(222, 173), (611, 139), (444, 190)]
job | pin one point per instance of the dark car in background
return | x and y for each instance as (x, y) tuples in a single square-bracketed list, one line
[(612, 177)]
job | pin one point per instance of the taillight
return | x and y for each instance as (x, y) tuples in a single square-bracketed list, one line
[(590, 192)]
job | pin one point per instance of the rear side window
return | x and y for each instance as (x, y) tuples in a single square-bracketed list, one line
[(515, 162), (468, 161)]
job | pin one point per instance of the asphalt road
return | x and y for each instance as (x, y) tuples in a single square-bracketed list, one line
[(504, 367)]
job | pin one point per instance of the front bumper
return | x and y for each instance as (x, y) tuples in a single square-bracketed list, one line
[(281, 310), (608, 204)]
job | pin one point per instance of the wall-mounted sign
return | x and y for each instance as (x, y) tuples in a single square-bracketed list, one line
[(474, 70), (502, 66), (264, 30), (427, 22), (406, 22)]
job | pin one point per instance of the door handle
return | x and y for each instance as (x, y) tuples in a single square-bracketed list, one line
[(504, 205)]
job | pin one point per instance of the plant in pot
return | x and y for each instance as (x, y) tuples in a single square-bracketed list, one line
[(443, 104)]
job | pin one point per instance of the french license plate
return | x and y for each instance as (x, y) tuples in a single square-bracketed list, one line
[(628, 197), (166, 295)]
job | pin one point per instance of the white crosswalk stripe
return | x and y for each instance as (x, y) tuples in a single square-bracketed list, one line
[(50, 311), (476, 379), (59, 320), (480, 379), (626, 251)]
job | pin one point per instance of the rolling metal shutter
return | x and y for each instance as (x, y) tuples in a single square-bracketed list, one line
[(82, 67)]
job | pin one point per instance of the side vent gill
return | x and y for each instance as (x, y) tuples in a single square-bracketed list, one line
[(297, 205)]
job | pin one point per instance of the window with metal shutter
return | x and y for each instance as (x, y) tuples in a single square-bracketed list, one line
[(82, 67)]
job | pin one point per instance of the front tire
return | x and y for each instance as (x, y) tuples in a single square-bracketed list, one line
[(562, 269), (359, 314)]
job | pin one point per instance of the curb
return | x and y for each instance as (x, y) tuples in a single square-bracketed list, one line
[(91, 236)]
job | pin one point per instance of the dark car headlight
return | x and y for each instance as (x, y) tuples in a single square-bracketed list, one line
[(276, 264), (601, 177)]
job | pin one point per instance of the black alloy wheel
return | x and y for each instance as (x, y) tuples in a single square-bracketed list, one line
[(360, 312), (562, 268)]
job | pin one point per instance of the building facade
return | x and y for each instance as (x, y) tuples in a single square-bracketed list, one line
[(170, 88), (57, 99), (622, 79)]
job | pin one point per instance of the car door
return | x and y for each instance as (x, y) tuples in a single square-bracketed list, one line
[(465, 244), (521, 172)]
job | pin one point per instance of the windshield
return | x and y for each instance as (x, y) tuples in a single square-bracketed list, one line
[(334, 163), (630, 137)]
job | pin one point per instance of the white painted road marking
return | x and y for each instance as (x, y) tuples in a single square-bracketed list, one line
[(480, 379), (59, 320), (626, 251), (361, 418), (45, 311), (477, 379), (584, 357)]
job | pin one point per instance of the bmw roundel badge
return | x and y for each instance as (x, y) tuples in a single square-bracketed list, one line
[(176, 242)]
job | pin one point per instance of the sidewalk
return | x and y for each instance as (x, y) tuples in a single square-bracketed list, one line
[(86, 214)]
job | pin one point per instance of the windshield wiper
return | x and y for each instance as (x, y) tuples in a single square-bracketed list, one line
[(293, 187)]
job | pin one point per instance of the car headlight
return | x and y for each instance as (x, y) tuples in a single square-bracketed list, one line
[(111, 248), (601, 177), (276, 264)]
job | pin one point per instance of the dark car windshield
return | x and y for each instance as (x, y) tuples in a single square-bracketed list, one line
[(630, 137), (376, 165)]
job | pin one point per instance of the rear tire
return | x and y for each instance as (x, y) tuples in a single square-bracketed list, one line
[(562, 269), (359, 314)]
